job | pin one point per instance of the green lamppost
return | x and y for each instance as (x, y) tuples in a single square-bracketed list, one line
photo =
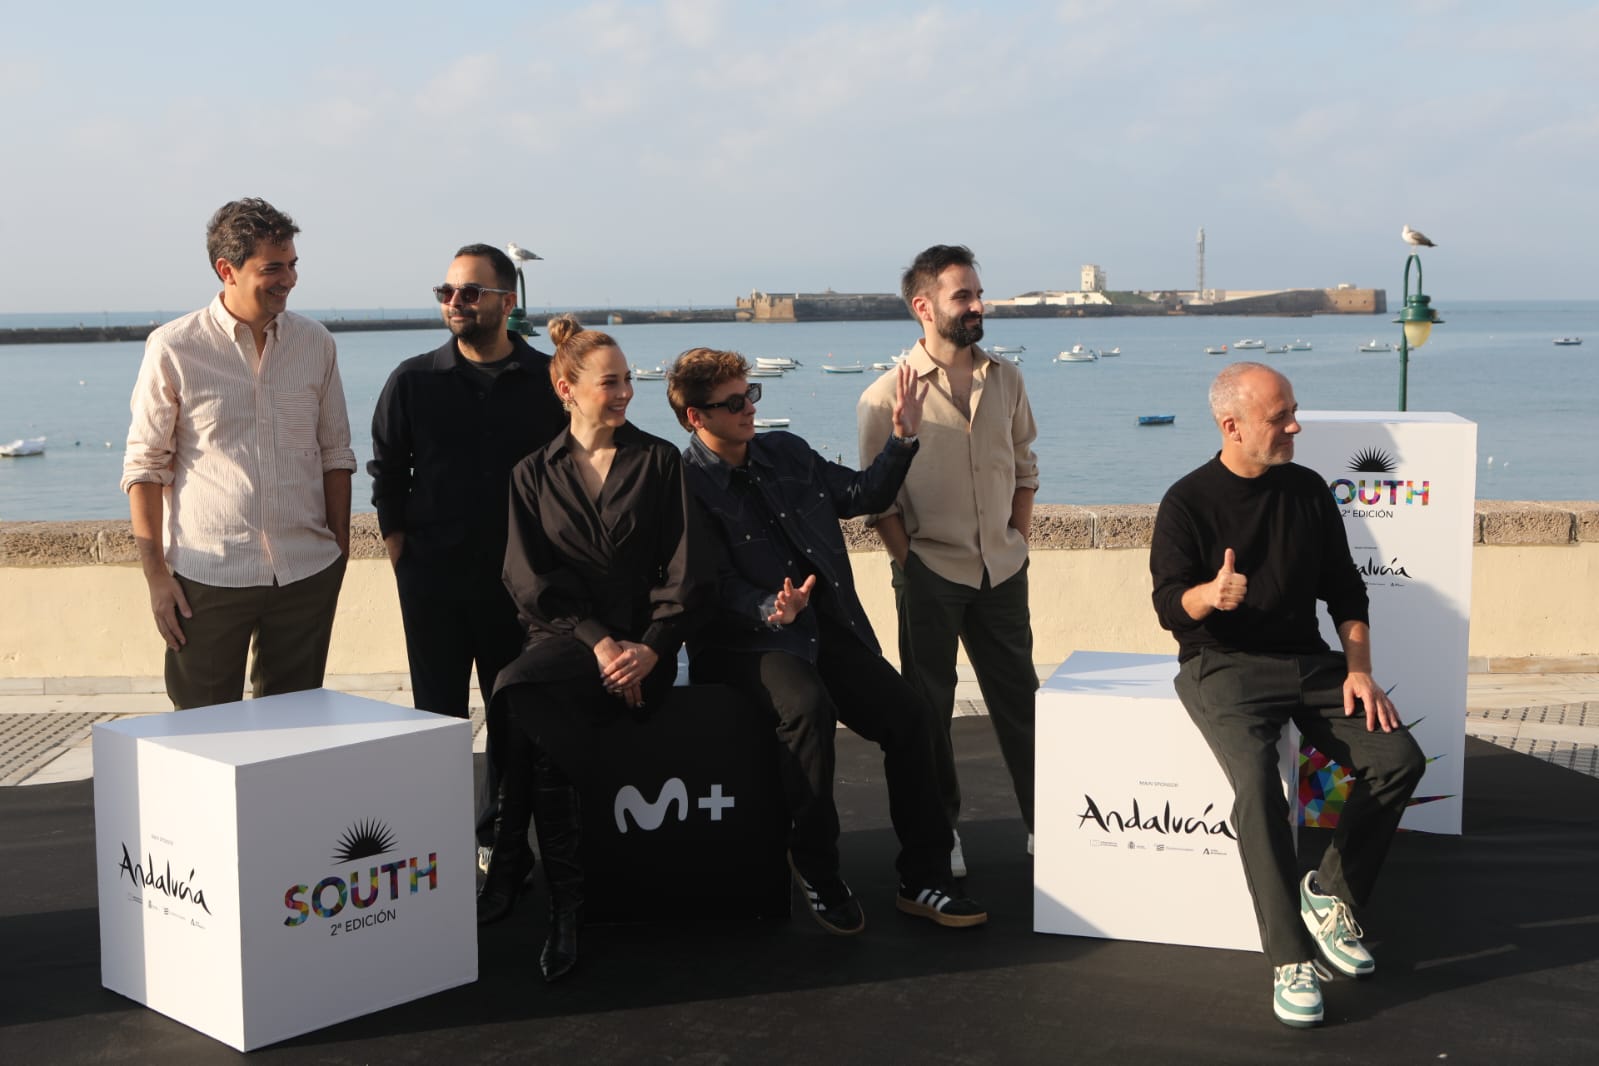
[(518, 322), (1417, 318)]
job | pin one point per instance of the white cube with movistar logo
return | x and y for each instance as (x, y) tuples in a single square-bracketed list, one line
[(1133, 830), (271, 867)]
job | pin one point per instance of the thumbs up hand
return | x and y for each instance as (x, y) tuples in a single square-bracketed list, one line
[(1230, 586)]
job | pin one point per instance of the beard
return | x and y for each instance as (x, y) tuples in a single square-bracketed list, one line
[(477, 332), (962, 332)]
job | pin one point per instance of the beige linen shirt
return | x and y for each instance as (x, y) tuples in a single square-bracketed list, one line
[(956, 501), (240, 444)]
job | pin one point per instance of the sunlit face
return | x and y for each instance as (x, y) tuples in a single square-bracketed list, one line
[(956, 306), (257, 289), (720, 424), (480, 324), (1262, 431), (602, 391)]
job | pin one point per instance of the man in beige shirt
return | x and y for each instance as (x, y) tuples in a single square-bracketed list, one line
[(957, 533), (237, 472)]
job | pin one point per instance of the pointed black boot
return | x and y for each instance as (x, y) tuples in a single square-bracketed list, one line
[(512, 860), (557, 818)]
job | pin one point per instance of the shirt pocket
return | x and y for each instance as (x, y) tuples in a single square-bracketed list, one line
[(295, 414)]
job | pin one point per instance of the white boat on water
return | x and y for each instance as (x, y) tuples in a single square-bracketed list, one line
[(22, 446), (1300, 345), (843, 368), (1077, 354), (1248, 344), (764, 372), (1374, 345), (776, 362), (1568, 342), (771, 423), (640, 374), (1213, 350), (1000, 349), (1105, 353), (884, 366), (1279, 350)]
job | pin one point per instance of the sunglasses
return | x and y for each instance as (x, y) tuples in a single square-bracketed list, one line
[(470, 294), (735, 404)]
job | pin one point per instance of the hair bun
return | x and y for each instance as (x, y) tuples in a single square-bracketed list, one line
[(563, 328)]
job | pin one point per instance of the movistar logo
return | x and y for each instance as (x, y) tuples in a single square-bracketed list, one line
[(648, 816)]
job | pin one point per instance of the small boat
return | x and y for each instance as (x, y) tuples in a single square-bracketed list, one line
[(1013, 360), (843, 368), (1156, 420), (884, 366), (1107, 352), (1077, 354), (1213, 350), (1000, 349), (764, 372), (1568, 342), (23, 446), (1299, 345), (771, 423), (1279, 350), (640, 374), (1248, 344), (1374, 345), (776, 362)]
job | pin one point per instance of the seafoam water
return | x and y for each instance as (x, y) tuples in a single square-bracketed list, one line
[(1536, 405)]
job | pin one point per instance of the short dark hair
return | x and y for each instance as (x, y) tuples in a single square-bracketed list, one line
[(923, 272), (504, 269), (239, 225), (696, 374)]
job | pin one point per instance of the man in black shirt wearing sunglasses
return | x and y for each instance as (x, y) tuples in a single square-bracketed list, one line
[(449, 426), (791, 633)]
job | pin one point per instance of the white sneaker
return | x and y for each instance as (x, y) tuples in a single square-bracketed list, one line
[(957, 861), (1296, 995)]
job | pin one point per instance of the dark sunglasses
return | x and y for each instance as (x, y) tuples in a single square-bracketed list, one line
[(470, 294), (735, 404)]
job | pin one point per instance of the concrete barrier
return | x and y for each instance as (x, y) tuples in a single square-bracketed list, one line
[(76, 611)]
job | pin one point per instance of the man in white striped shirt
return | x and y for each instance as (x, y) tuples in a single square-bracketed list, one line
[(237, 472)]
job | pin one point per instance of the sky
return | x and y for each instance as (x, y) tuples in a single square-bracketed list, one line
[(683, 153)]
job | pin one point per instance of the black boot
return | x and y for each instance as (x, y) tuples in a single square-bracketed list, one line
[(558, 820), (512, 860)]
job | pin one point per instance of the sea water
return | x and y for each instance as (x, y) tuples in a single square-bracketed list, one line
[(1536, 405)]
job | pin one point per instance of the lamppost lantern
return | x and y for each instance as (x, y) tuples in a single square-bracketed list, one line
[(1416, 319), (517, 322)]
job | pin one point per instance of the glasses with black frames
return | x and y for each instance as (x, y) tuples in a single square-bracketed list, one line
[(470, 294), (735, 404)]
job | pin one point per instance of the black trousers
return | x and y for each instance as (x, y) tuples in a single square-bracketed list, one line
[(994, 624), (852, 684), (444, 639), (1240, 702)]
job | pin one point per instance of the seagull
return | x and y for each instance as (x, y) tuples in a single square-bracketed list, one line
[(1416, 238), (522, 255)]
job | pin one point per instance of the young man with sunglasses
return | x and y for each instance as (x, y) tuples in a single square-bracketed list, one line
[(792, 635), (237, 472), (449, 427)]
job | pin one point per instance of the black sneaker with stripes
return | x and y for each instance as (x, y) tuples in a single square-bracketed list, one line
[(832, 904), (940, 903)]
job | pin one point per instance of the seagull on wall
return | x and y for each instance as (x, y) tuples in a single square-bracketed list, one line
[(1416, 238), (521, 255)]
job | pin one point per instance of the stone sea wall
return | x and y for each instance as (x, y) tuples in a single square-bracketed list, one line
[(75, 604)]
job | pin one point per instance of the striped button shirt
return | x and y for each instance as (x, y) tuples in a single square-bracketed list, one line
[(240, 444)]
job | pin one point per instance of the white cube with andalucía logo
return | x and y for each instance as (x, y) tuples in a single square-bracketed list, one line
[(1133, 815), (1406, 486), (270, 867)]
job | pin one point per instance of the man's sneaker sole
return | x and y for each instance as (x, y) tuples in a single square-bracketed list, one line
[(934, 905), (1333, 954), (1296, 1015)]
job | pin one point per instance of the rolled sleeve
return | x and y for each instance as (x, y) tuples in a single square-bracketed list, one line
[(333, 421), (149, 452), (1024, 431)]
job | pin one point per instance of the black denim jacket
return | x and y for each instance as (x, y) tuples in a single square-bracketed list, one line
[(805, 495)]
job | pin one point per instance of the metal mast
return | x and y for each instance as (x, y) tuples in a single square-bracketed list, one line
[(1200, 292)]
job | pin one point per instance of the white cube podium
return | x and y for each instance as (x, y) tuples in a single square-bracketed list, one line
[(270, 867), (1132, 817)]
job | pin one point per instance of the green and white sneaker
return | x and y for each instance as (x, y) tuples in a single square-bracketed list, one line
[(1335, 931), (1296, 995)]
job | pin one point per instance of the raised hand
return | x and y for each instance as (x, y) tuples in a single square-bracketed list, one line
[(909, 392), (791, 601), (1230, 586)]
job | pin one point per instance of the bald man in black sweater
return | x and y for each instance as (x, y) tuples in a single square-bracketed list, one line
[(1244, 547)]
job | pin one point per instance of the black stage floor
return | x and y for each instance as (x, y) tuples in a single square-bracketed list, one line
[(1488, 950)]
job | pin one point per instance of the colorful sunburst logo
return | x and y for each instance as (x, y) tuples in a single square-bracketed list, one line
[(1373, 461)]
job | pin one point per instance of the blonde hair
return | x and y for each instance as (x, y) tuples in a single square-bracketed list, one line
[(573, 344)]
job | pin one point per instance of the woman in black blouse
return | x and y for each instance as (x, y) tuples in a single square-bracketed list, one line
[(606, 582)]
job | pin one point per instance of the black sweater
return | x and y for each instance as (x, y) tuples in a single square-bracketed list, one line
[(1287, 539)]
